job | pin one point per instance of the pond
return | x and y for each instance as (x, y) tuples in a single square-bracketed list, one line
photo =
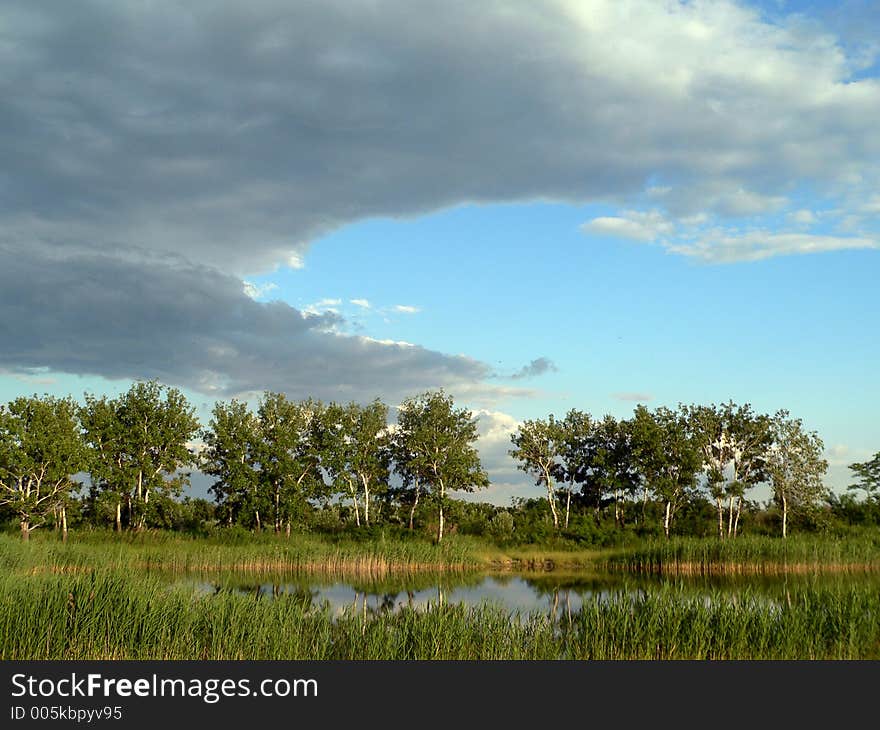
[(552, 593)]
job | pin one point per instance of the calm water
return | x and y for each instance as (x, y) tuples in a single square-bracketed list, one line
[(524, 593)]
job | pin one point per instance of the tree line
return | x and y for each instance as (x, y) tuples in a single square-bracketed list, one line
[(669, 455), (268, 464), (274, 464)]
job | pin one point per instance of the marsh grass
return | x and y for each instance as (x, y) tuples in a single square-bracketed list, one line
[(261, 554), (107, 615), (752, 555)]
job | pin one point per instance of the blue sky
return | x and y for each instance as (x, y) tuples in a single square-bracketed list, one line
[(651, 202)]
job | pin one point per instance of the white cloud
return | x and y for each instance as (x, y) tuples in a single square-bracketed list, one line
[(406, 309), (397, 343), (295, 261), (729, 247), (323, 305), (802, 217), (842, 455), (258, 291), (633, 224), (700, 236), (363, 303)]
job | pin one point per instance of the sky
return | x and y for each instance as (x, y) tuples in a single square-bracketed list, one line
[(535, 205)]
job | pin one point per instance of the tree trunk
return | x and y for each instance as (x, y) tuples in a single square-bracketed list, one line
[(567, 506), (739, 503), (357, 511), (784, 516), (142, 520), (644, 503), (287, 529), (412, 512), (366, 500), (551, 498), (118, 516), (259, 524), (276, 521), (440, 525), (64, 523), (667, 519), (25, 530), (730, 517), (720, 505)]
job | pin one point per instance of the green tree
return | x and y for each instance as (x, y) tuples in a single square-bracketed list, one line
[(733, 441), (287, 454), (335, 437), (139, 445), (538, 447), (370, 454), (574, 454), (229, 456), (795, 466), (41, 449), (667, 456), (436, 441), (612, 472), (868, 475)]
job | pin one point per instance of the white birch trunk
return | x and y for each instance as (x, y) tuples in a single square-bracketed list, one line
[(412, 512), (366, 484), (551, 498)]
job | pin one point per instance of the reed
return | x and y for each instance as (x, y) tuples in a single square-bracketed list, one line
[(751, 555), (166, 552), (109, 615)]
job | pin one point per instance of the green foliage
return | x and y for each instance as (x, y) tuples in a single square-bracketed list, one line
[(868, 475), (667, 456), (434, 444), (41, 449), (538, 446), (139, 444), (230, 456), (795, 466)]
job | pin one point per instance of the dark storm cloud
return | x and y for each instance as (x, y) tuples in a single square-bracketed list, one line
[(163, 318)]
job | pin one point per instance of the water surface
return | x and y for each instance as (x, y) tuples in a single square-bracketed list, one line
[(550, 592)]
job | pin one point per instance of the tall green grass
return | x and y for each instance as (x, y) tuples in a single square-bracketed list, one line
[(107, 615), (262, 553), (751, 554)]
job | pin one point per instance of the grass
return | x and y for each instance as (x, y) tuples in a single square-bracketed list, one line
[(108, 615), (382, 552), (259, 554), (377, 553), (746, 554), (106, 596)]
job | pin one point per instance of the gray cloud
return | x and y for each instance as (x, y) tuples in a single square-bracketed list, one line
[(212, 127), (157, 317), (538, 366), (155, 154)]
